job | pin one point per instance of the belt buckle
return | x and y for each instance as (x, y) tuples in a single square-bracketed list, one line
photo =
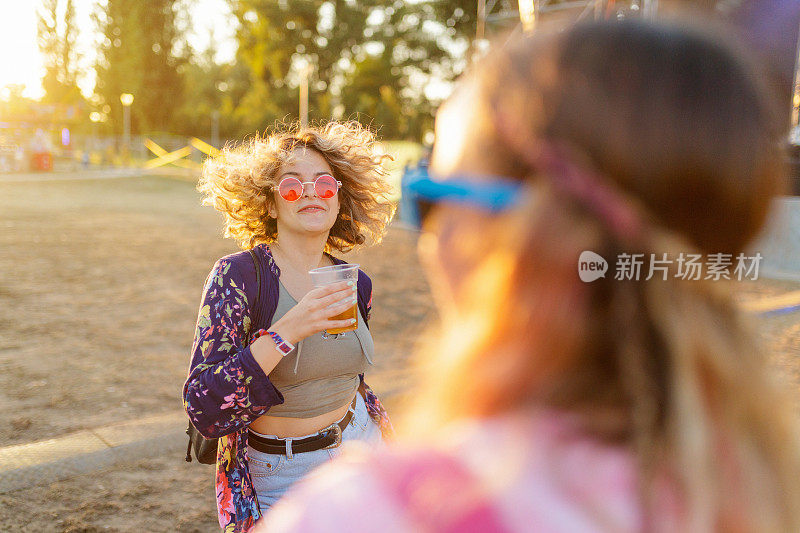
[(338, 435)]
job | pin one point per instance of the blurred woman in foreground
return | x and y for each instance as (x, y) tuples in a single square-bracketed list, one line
[(555, 404)]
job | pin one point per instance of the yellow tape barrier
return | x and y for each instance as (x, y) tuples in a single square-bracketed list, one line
[(203, 146), (163, 157), (172, 157)]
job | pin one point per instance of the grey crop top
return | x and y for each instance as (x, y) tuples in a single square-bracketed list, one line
[(319, 375)]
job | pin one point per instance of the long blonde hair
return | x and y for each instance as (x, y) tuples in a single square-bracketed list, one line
[(674, 126)]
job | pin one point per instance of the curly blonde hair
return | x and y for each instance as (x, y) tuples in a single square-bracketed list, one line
[(240, 180)]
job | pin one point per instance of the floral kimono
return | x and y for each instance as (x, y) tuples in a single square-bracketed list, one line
[(227, 389)]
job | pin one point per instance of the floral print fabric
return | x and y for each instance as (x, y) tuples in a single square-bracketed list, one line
[(227, 389)]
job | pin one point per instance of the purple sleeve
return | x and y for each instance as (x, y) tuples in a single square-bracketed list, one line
[(226, 388)]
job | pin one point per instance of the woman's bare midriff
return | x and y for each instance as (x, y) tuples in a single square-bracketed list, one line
[(284, 426)]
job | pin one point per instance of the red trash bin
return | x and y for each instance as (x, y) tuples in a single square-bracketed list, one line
[(42, 161)]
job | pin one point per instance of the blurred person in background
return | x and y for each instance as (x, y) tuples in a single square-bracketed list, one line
[(554, 404), (278, 394)]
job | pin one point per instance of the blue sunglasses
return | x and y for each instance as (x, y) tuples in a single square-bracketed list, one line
[(420, 192)]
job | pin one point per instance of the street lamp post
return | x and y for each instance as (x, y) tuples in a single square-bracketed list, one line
[(527, 14), (480, 29), (796, 97), (95, 117), (305, 74), (126, 99), (215, 128)]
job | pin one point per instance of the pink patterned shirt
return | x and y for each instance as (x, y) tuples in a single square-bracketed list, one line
[(537, 473)]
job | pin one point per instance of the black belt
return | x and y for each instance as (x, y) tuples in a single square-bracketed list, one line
[(330, 437)]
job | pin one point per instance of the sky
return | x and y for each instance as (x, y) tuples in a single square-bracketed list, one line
[(21, 63)]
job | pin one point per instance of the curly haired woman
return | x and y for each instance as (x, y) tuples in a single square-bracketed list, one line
[(278, 392)]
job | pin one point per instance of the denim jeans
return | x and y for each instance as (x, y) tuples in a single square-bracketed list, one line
[(273, 474)]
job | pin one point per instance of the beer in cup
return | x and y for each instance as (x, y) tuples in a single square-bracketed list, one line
[(331, 274)]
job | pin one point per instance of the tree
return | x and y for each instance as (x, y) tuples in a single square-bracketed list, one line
[(139, 55), (14, 105), (372, 95), (365, 55), (56, 35), (211, 92), (271, 37)]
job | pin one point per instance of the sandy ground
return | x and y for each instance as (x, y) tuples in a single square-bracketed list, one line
[(99, 286)]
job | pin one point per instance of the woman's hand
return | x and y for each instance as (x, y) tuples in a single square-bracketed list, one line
[(311, 315), (313, 312)]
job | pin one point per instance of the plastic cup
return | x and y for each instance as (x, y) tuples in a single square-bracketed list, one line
[(331, 274)]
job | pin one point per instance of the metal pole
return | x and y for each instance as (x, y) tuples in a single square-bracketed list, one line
[(126, 128), (306, 73), (480, 31), (527, 14), (796, 92), (215, 128), (126, 99), (304, 102), (650, 9)]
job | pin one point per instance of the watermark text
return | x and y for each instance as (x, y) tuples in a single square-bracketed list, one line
[(686, 266)]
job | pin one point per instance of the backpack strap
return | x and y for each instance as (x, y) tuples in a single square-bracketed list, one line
[(255, 308)]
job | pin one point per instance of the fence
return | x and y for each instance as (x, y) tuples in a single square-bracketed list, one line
[(96, 151)]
